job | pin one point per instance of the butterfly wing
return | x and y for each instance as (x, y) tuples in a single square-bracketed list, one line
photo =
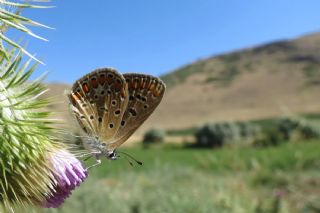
[(145, 94), (98, 101)]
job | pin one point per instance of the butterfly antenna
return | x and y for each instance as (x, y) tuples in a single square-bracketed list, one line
[(132, 158), (131, 164)]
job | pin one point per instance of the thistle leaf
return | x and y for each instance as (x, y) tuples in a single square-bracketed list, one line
[(6, 39), (19, 5), (13, 19)]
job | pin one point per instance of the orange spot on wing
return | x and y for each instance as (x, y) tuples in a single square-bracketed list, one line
[(156, 93), (109, 78), (122, 93), (73, 99), (85, 87), (142, 83), (102, 79), (130, 84), (94, 83), (117, 85), (78, 95), (135, 83), (151, 86)]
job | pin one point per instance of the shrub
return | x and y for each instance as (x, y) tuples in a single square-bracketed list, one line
[(154, 136), (249, 131), (216, 135), (293, 129), (269, 138)]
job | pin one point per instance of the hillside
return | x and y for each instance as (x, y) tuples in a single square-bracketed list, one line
[(274, 79)]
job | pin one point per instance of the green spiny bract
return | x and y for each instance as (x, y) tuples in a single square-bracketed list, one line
[(25, 136), (10, 18)]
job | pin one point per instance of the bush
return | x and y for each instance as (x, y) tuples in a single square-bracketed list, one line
[(269, 138), (154, 136), (219, 134), (216, 135), (249, 131), (293, 129)]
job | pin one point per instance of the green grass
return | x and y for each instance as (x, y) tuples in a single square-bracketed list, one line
[(199, 180)]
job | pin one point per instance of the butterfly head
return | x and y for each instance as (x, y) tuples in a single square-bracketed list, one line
[(111, 155)]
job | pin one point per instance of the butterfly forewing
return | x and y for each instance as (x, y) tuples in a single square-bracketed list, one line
[(145, 94), (98, 101)]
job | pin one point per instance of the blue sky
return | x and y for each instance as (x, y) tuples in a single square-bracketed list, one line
[(157, 37)]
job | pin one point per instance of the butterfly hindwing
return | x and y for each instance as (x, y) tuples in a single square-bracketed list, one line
[(145, 94), (98, 101)]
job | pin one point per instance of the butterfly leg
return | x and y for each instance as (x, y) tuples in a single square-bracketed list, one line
[(96, 164), (98, 161), (87, 154)]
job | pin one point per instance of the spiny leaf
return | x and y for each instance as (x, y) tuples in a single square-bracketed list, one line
[(24, 19), (23, 5), (6, 39), (22, 28)]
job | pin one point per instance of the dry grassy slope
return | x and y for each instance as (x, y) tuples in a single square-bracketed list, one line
[(270, 80)]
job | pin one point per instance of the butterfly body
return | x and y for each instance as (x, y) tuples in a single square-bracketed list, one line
[(99, 149), (109, 106)]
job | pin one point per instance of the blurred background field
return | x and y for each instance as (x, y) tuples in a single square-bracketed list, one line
[(274, 167), (273, 179), (245, 137)]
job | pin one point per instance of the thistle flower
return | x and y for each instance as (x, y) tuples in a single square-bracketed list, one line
[(68, 174), (35, 169)]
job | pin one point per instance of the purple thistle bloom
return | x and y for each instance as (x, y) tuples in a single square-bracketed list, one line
[(68, 173)]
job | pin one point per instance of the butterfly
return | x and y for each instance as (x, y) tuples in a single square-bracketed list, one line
[(110, 107)]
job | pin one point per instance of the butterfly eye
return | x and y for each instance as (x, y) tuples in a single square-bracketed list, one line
[(112, 155), (111, 126), (113, 102)]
